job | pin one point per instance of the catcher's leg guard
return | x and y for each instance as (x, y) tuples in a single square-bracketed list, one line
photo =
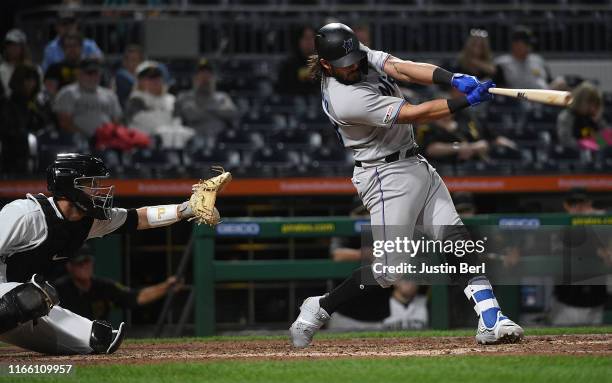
[(26, 302), (105, 340)]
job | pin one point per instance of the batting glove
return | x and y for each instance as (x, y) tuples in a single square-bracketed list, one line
[(481, 93), (464, 83)]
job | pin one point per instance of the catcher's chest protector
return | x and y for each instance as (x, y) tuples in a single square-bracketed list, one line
[(64, 238)]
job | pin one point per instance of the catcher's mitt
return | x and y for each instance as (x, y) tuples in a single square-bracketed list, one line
[(202, 201)]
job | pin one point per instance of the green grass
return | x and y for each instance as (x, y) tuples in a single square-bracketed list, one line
[(451, 369), (383, 334), (455, 369)]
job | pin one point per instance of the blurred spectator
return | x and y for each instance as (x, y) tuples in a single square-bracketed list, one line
[(408, 309), (20, 115), (578, 202), (459, 137), (294, 77), (581, 125), (93, 297), (464, 204), (150, 108), (576, 305), (522, 68), (204, 108), (83, 106), (476, 57), (54, 51), (125, 78), (15, 52), (62, 73)]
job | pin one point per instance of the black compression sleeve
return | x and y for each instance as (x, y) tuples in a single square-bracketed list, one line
[(359, 283), (131, 222), (442, 77), (458, 103)]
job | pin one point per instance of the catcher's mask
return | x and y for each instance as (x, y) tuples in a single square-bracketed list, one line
[(338, 45), (80, 178)]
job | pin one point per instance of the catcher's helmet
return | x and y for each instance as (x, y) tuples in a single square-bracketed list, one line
[(338, 44), (77, 178)]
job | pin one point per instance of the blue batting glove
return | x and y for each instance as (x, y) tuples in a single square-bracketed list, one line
[(464, 83), (481, 93)]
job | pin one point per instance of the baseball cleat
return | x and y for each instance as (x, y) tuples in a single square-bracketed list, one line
[(504, 331), (312, 317), (118, 336)]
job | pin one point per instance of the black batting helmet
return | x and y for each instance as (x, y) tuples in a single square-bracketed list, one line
[(337, 44), (78, 177)]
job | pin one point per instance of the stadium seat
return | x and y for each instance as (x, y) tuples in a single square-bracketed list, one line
[(157, 163), (235, 139), (297, 138), (113, 159), (604, 159), (559, 152), (200, 160), (476, 167), (276, 161), (256, 121), (329, 160), (567, 159), (51, 142), (504, 153)]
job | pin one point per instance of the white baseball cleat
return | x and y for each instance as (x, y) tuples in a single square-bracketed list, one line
[(312, 317), (504, 331)]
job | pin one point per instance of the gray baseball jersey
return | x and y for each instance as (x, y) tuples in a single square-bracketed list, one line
[(364, 113)]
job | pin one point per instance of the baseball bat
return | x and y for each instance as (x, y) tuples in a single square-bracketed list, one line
[(550, 97)]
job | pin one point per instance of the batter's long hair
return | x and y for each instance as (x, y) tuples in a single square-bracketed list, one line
[(315, 69), (586, 96)]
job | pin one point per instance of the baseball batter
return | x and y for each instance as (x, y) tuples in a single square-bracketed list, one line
[(398, 186), (37, 232)]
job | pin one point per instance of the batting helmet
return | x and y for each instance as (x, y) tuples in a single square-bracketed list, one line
[(77, 177), (337, 44)]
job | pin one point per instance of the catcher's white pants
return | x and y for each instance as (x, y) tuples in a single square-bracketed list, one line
[(61, 332), (400, 195)]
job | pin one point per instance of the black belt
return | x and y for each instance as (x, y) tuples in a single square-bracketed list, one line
[(395, 156)]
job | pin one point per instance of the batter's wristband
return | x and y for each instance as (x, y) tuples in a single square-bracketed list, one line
[(458, 103), (442, 77)]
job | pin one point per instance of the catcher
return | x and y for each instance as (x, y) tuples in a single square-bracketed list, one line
[(39, 231)]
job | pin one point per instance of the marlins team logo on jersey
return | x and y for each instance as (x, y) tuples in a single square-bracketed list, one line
[(348, 45)]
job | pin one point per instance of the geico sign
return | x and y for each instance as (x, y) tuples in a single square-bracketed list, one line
[(519, 222), (238, 229)]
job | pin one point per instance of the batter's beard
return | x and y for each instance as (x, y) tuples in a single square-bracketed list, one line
[(362, 71), (349, 82)]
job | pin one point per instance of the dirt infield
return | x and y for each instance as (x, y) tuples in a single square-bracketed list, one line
[(339, 348)]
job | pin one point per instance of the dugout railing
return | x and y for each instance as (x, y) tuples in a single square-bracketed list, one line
[(208, 271)]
